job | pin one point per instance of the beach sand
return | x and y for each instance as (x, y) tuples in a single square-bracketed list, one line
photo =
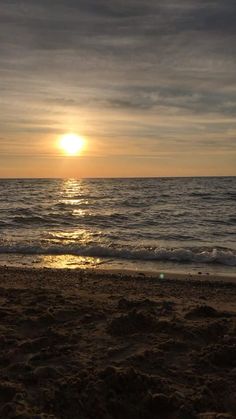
[(96, 345)]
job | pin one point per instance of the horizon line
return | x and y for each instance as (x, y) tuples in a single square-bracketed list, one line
[(118, 177)]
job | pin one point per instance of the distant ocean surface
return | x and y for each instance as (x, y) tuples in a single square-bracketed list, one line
[(146, 224)]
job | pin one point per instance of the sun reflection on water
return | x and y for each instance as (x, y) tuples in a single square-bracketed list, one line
[(80, 236), (75, 236), (69, 261), (72, 195)]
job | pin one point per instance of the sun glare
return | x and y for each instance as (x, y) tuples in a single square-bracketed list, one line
[(71, 144)]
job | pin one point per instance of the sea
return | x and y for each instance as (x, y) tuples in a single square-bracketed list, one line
[(145, 224)]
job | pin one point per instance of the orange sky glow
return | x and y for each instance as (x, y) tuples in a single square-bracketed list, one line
[(151, 89)]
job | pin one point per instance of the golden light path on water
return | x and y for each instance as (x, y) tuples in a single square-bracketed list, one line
[(69, 261), (71, 193)]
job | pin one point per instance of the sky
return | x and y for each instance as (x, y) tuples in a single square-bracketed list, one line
[(150, 85)]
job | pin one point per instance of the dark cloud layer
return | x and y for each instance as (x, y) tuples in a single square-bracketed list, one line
[(166, 57)]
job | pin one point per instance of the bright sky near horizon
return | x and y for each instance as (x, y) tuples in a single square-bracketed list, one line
[(149, 86)]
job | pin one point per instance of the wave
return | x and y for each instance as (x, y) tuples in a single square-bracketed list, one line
[(62, 219), (221, 256), (34, 219)]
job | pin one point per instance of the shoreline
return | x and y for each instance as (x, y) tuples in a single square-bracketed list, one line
[(87, 343), (131, 273)]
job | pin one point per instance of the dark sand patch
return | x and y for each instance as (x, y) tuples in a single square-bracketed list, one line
[(84, 345)]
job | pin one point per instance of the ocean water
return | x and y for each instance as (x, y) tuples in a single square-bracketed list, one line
[(146, 224)]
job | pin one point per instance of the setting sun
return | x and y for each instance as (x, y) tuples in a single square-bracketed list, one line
[(71, 144)]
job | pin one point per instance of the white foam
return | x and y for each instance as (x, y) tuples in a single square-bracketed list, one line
[(181, 255)]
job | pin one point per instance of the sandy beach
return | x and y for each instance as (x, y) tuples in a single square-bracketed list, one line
[(90, 344)]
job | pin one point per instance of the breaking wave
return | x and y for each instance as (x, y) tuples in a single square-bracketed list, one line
[(178, 255)]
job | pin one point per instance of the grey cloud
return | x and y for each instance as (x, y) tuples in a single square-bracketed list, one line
[(195, 101), (55, 21), (137, 55)]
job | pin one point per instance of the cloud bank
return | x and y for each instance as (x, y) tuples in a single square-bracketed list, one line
[(156, 77)]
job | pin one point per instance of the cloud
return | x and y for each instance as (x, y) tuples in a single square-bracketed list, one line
[(169, 63)]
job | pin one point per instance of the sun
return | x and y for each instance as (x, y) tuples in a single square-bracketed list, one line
[(71, 144)]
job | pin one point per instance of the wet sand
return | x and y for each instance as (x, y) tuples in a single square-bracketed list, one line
[(90, 344)]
